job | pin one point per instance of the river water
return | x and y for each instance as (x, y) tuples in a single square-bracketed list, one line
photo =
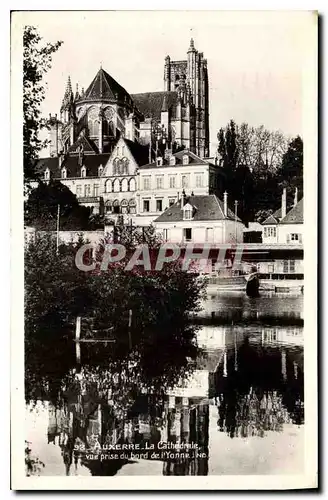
[(240, 410)]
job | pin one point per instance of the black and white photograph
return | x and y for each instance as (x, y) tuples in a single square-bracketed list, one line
[(165, 176)]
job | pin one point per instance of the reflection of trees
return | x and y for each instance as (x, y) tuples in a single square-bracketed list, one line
[(261, 392), (112, 394)]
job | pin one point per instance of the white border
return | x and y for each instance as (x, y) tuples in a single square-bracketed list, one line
[(19, 481)]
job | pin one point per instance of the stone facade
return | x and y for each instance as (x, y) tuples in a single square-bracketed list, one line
[(176, 118)]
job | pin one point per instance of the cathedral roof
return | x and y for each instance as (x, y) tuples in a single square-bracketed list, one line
[(104, 87), (85, 144), (150, 104)]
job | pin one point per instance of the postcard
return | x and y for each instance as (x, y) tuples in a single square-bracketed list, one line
[(164, 228)]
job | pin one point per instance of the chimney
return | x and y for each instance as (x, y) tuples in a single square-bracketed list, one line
[(225, 204), (284, 203), (295, 198), (183, 199)]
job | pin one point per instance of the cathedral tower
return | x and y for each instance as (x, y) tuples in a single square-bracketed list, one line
[(193, 75)]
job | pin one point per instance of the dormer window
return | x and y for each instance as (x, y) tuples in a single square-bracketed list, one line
[(187, 212), (185, 160), (159, 161), (64, 173), (172, 160), (100, 170), (83, 171), (47, 174)]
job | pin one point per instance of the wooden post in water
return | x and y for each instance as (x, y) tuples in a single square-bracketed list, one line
[(77, 342), (129, 329)]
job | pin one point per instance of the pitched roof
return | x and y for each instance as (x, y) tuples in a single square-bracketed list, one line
[(104, 87), (271, 220), (193, 160), (91, 162), (295, 215), (150, 104), (139, 152), (207, 207), (277, 214), (85, 143)]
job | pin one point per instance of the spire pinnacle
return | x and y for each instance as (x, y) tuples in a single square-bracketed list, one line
[(192, 46)]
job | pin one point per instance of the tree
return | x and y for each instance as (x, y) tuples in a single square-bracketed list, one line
[(36, 62), (231, 146), (41, 208), (56, 292), (291, 171)]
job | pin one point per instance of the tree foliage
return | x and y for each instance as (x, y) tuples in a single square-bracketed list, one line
[(291, 170), (36, 62), (41, 208), (56, 292), (258, 164)]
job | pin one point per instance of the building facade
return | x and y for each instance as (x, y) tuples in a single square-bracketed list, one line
[(285, 227), (199, 219), (177, 117), (122, 183)]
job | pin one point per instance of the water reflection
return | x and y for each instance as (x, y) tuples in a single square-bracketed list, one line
[(246, 383), (238, 308)]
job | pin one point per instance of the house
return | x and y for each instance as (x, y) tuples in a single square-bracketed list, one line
[(284, 227), (200, 219), (160, 183), (291, 227)]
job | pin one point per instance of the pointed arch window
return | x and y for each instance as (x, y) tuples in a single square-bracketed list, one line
[(83, 171), (124, 206), (132, 206), (100, 170), (108, 206), (124, 185), (132, 185), (116, 186), (108, 186), (47, 174), (64, 173), (108, 127), (124, 166), (116, 166), (116, 207), (93, 121)]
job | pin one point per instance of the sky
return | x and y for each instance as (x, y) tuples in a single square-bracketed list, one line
[(255, 59)]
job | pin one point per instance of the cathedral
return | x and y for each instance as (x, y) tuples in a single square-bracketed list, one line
[(135, 154), (174, 119)]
